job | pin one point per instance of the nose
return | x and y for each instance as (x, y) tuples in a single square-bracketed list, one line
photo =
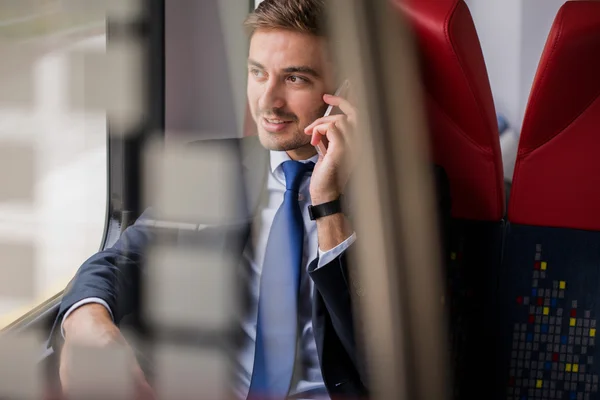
[(273, 96)]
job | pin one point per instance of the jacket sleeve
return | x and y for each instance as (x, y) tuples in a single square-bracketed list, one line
[(332, 281), (337, 289), (112, 275)]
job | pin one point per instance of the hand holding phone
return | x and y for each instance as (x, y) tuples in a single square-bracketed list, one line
[(340, 92)]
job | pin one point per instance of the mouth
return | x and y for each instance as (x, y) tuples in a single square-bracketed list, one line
[(275, 124)]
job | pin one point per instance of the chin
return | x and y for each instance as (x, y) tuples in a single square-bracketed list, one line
[(282, 141)]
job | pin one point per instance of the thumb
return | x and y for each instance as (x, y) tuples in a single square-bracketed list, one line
[(143, 390)]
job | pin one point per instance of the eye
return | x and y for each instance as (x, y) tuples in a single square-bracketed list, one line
[(257, 73), (297, 79)]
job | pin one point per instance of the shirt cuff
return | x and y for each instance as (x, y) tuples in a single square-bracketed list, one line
[(80, 303), (325, 257)]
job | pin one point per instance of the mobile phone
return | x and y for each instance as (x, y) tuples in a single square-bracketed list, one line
[(340, 92)]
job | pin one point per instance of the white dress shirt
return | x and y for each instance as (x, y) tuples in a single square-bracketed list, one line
[(307, 375)]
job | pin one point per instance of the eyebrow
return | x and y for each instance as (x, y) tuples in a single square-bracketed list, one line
[(303, 69)]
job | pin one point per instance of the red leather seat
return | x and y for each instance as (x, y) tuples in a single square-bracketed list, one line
[(557, 173), (553, 237), (460, 108)]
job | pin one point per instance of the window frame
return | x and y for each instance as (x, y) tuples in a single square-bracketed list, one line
[(124, 151)]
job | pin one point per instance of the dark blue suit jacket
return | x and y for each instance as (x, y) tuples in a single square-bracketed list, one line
[(114, 276)]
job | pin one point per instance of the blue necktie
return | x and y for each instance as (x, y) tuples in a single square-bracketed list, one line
[(277, 325)]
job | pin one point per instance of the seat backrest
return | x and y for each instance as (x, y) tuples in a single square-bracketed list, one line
[(548, 295), (464, 139), (460, 108), (557, 173)]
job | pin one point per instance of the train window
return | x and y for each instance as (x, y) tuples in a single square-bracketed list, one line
[(53, 149), (375, 309), (191, 240)]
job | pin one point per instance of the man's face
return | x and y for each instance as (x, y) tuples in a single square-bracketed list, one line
[(287, 77)]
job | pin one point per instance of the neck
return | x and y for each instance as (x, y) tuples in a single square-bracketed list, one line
[(302, 153)]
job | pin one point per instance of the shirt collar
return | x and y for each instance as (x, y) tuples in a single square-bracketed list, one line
[(279, 157)]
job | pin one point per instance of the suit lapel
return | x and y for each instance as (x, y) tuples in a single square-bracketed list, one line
[(255, 161), (318, 320)]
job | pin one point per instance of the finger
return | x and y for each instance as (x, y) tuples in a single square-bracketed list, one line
[(343, 126), (63, 370), (346, 128), (64, 382), (330, 131), (316, 137), (324, 120), (343, 104), (144, 390), (317, 132)]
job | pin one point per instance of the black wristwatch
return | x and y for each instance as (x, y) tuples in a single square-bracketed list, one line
[(325, 209)]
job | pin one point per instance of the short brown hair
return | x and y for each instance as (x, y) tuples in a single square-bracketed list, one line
[(305, 16)]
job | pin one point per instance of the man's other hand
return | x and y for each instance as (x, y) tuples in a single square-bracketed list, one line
[(91, 326)]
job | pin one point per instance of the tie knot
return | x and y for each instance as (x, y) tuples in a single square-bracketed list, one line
[(294, 171)]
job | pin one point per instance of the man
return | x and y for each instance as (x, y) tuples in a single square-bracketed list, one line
[(306, 299)]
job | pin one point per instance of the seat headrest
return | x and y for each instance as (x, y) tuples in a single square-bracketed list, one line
[(460, 108), (557, 174)]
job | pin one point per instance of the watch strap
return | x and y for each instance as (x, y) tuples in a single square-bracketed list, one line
[(325, 209)]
